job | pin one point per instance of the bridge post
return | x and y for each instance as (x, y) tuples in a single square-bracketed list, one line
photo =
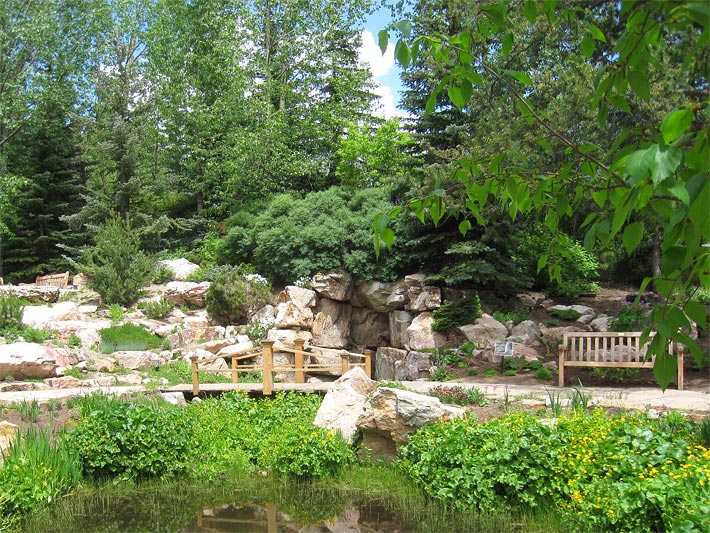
[(235, 364), (267, 365), (344, 363), (368, 363), (298, 345), (195, 377)]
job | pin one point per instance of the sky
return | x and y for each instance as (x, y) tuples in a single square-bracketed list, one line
[(384, 69)]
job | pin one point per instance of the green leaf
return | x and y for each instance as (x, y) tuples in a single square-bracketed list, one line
[(404, 26), (387, 236), (665, 367), (587, 46), (464, 227), (383, 38), (380, 222), (676, 124), (696, 313), (507, 44), (677, 189), (455, 96), (599, 198), (541, 262), (672, 260), (666, 160), (402, 53), (633, 233), (639, 84), (522, 77), (530, 11), (597, 33)]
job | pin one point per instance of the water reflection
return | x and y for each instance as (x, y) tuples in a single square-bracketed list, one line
[(356, 516)]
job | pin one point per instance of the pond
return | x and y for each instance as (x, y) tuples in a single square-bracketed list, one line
[(253, 505)]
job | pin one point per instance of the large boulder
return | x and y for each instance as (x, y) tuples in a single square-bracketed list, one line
[(8, 434), (181, 268), (23, 360), (331, 325), (421, 336), (37, 316), (399, 321), (33, 293), (382, 297), (298, 295), (385, 360), (136, 359), (187, 293), (421, 297), (344, 403), (88, 332), (527, 333), (287, 337), (485, 332), (414, 366), (390, 415), (327, 356), (369, 328), (334, 286), (290, 315)]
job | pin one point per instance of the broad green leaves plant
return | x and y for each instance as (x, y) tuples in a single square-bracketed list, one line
[(656, 179)]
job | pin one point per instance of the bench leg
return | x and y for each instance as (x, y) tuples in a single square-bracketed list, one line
[(561, 371)]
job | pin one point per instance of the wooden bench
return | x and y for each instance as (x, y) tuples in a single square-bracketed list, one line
[(608, 350), (53, 280)]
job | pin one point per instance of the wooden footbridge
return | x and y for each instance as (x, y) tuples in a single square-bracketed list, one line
[(261, 360)]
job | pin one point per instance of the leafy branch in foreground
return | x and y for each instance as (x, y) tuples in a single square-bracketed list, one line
[(656, 179)]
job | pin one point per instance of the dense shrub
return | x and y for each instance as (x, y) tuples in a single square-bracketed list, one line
[(631, 318), (116, 267), (600, 472), (579, 267), (457, 313), (130, 439), (156, 309), (231, 297), (325, 231)]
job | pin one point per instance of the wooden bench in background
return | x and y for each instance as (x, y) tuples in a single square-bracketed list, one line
[(53, 280), (607, 350)]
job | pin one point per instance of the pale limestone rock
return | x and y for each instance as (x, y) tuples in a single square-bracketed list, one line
[(528, 352), (129, 379), (421, 335), (600, 323), (236, 348), (102, 364), (181, 268), (134, 359), (331, 325), (399, 321), (581, 309), (553, 336), (33, 293), (174, 398), (527, 333), (286, 337), (391, 414), (369, 328), (80, 280), (289, 315), (8, 434), (531, 300), (382, 297), (196, 320), (420, 296), (37, 316), (190, 336), (23, 360), (304, 298), (385, 360), (187, 293), (101, 381), (485, 332), (344, 402), (334, 286), (414, 366), (65, 382), (216, 345)]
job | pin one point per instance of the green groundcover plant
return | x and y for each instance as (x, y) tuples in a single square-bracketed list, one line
[(600, 472)]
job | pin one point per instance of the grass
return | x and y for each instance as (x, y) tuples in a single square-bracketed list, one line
[(177, 372), (29, 411), (128, 337)]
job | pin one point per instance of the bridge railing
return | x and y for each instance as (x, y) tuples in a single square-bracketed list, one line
[(302, 364)]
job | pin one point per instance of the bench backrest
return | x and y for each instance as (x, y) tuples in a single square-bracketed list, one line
[(604, 346), (53, 280)]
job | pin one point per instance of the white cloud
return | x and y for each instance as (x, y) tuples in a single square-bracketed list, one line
[(370, 53), (380, 65)]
